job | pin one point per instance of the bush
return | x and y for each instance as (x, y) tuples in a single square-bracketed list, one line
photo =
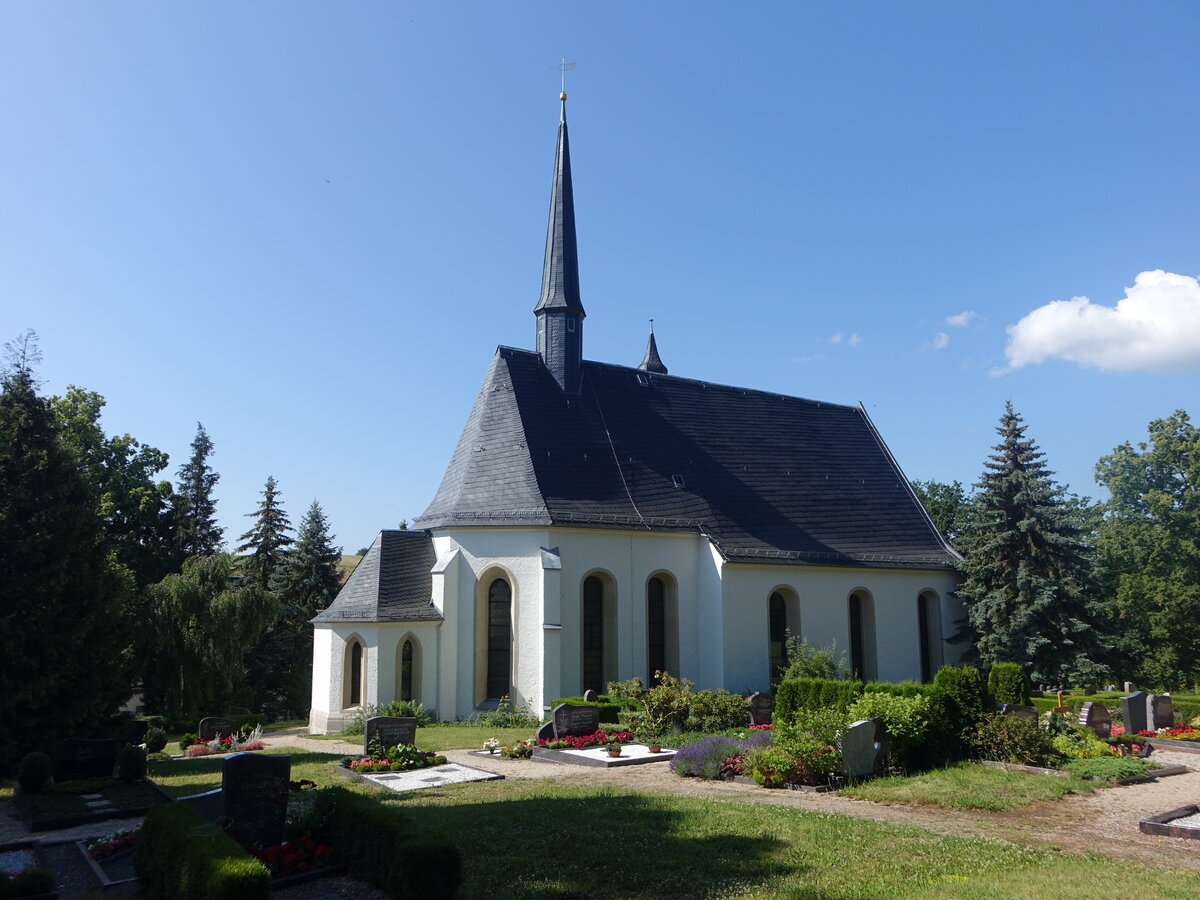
[(131, 764), (406, 708), (812, 740), (186, 740), (1106, 767), (507, 716), (1007, 683), (807, 661), (156, 739), (717, 710), (795, 694), (703, 759), (771, 767), (383, 848), (180, 854), (33, 773), (957, 705), (906, 720), (33, 882), (1012, 739)]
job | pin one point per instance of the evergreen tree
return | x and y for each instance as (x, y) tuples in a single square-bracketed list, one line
[(62, 594), (1026, 580), (199, 533), (268, 541), (203, 624), (280, 668), (1150, 552)]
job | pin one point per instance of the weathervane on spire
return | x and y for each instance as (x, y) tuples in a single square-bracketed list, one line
[(564, 67)]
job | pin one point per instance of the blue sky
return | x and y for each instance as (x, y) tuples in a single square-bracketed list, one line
[(308, 225)]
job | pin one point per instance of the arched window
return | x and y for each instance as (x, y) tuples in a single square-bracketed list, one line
[(354, 695), (499, 639), (861, 610), (656, 627), (406, 670), (929, 625), (593, 634), (777, 627)]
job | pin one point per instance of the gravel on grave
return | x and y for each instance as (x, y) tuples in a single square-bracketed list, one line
[(16, 860)]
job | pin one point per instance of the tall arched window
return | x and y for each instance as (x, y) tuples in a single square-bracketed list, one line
[(861, 610), (499, 639), (356, 674), (406, 670), (777, 626), (593, 634), (656, 627), (929, 625)]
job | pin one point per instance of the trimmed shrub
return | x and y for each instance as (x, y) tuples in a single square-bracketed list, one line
[(186, 740), (957, 705), (794, 694), (33, 773), (1007, 683), (717, 710), (812, 740), (898, 689), (771, 767), (906, 719), (180, 854), (156, 739), (131, 764), (383, 848)]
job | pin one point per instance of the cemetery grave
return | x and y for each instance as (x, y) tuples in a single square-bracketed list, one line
[(572, 736)]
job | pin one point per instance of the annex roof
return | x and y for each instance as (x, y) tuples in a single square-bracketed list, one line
[(393, 582)]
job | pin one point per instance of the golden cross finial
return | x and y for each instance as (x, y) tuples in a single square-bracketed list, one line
[(564, 67)]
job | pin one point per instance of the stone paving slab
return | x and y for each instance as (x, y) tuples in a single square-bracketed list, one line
[(434, 776), (631, 755)]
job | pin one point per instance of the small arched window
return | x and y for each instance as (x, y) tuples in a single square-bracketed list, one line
[(356, 673), (406, 670), (777, 627)]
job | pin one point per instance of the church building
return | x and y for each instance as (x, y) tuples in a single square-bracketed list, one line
[(600, 521)]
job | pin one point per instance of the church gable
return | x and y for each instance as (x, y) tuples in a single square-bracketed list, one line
[(392, 583)]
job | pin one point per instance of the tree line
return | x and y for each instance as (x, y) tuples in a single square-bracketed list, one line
[(111, 576), (1078, 591)]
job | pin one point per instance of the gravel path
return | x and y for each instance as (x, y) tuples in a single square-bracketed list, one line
[(1103, 822)]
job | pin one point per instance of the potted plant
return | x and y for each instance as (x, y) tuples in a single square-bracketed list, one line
[(653, 741), (491, 745), (613, 748)]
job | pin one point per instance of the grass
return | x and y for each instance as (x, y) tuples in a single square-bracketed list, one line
[(967, 785), (547, 840)]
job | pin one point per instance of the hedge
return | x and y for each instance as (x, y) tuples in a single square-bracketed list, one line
[(181, 854), (383, 848), (1007, 683), (794, 694)]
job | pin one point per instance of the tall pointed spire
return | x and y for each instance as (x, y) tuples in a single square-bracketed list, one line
[(652, 362), (559, 310)]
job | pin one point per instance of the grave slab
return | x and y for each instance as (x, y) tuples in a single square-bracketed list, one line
[(437, 776), (597, 757)]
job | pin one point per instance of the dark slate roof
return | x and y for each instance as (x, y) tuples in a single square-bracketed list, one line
[(768, 478), (652, 362), (560, 269), (392, 583)]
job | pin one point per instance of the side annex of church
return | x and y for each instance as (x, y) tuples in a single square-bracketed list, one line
[(598, 522)]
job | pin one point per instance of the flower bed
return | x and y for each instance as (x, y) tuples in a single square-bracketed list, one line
[(583, 742), (297, 857), (110, 845), (422, 760), (1177, 733)]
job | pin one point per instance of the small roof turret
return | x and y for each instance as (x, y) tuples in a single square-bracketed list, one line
[(652, 362)]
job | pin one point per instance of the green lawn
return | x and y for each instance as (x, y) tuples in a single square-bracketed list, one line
[(967, 785), (546, 841)]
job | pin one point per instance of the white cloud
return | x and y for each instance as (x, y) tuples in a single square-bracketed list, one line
[(853, 341), (941, 341), (808, 359), (836, 338), (1155, 328), (850, 340), (962, 319)]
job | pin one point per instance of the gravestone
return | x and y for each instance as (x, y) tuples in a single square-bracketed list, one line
[(1133, 711), (1096, 716), (1160, 711), (762, 708), (254, 796), (1129, 687), (392, 731), (590, 696), (1017, 709), (211, 726), (570, 721), (74, 758), (864, 744)]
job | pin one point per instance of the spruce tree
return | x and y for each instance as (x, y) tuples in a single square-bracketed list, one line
[(199, 533), (1026, 580), (280, 668), (63, 596), (268, 541)]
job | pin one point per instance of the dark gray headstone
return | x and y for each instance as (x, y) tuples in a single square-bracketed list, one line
[(74, 758), (392, 731), (1017, 709), (254, 796), (590, 696), (1133, 711), (762, 707), (1095, 715), (212, 726), (1160, 711), (863, 748), (574, 721)]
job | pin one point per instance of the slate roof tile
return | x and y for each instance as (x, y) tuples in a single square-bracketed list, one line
[(392, 583)]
